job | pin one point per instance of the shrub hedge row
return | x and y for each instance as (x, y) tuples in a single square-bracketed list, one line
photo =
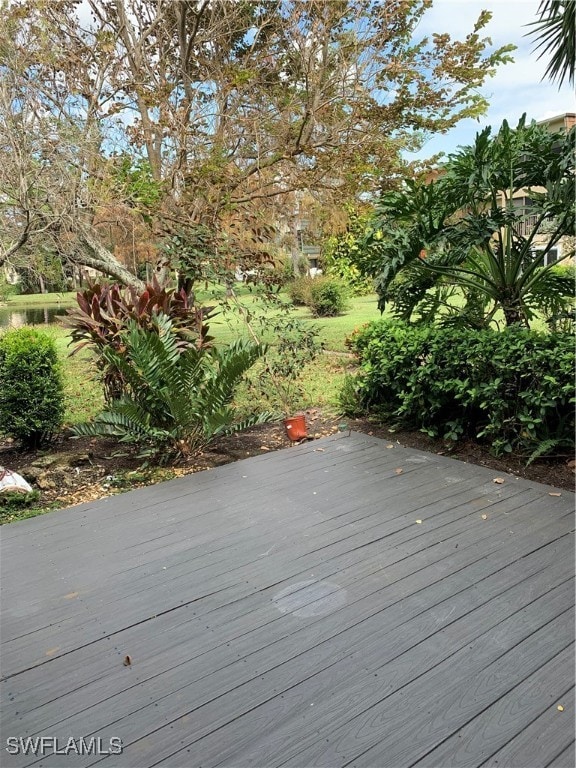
[(514, 388)]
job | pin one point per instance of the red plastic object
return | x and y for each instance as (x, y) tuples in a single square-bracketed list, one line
[(296, 427)]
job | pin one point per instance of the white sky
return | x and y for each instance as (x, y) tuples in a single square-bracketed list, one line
[(517, 87)]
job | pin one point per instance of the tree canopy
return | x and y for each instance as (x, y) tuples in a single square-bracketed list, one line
[(201, 121)]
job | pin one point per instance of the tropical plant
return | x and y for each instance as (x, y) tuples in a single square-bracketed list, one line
[(467, 230), (105, 311), (31, 390), (176, 400), (556, 299), (555, 33)]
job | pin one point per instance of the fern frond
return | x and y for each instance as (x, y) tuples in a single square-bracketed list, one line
[(543, 448)]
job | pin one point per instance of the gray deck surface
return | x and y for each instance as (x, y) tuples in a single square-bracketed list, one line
[(309, 607)]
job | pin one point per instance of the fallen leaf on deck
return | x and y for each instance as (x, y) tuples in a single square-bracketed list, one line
[(418, 522), (554, 494), (484, 517), (399, 471), (52, 651), (560, 708), (70, 595), (127, 661), (319, 450), (499, 480), (390, 446)]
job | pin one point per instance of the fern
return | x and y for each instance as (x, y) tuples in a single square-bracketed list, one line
[(176, 401)]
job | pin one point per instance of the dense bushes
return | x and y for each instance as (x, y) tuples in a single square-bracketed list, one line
[(514, 388), (31, 392), (299, 291), (325, 296)]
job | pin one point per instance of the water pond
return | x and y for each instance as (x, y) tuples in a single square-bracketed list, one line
[(15, 317)]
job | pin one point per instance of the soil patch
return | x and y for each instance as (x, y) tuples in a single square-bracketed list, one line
[(73, 471)]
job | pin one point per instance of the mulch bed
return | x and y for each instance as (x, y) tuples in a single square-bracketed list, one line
[(78, 470)]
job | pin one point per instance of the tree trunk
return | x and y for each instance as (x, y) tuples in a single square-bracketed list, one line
[(513, 316), (162, 271), (95, 255)]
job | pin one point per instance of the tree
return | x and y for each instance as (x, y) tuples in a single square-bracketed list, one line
[(340, 251), (555, 33), (234, 107), (472, 231), (53, 175)]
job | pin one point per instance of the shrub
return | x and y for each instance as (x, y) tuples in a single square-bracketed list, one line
[(555, 297), (175, 401), (349, 399), (104, 313), (299, 291), (327, 297), (296, 344), (31, 391), (513, 388), (8, 289)]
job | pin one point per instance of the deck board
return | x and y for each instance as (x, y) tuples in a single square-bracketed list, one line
[(312, 606)]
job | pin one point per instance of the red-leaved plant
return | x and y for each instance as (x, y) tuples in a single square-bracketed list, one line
[(104, 312)]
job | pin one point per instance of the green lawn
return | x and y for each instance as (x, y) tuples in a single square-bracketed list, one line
[(82, 391), (54, 299), (322, 379), (226, 326)]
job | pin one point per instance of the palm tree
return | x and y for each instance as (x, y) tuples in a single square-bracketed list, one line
[(555, 33)]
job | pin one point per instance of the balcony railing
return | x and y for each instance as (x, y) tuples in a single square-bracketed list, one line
[(526, 226)]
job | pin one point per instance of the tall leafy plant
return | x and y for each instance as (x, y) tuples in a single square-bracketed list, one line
[(104, 313), (175, 401), (341, 253), (554, 34), (467, 229)]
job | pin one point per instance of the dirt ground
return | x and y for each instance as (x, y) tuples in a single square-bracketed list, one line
[(77, 470)]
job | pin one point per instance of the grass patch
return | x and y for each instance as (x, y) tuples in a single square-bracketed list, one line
[(322, 379), (83, 395), (66, 299), (227, 326), (20, 506), (321, 383)]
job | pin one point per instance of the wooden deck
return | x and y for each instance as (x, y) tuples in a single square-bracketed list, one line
[(342, 603)]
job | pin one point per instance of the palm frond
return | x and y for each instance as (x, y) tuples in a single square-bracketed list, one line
[(555, 35)]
